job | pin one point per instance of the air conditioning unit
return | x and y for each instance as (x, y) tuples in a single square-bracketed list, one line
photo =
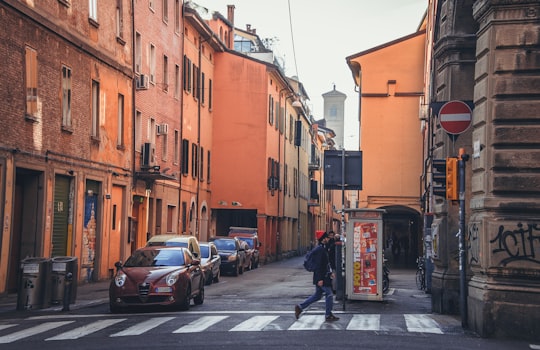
[(162, 129), (142, 82), (148, 155)]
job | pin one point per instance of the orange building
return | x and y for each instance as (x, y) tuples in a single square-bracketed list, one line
[(390, 81), (66, 155), (201, 47), (158, 63), (248, 141)]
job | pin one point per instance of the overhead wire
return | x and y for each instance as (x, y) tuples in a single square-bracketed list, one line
[(292, 40)]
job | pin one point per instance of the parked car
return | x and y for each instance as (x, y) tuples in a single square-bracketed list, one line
[(173, 240), (232, 255), (210, 262), (157, 276), (249, 254), (249, 235), (254, 244)]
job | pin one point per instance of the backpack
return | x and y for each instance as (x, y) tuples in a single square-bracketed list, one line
[(310, 260)]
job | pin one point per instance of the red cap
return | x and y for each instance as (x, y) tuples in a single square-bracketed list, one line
[(320, 234)]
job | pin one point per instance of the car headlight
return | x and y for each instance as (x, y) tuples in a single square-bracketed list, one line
[(172, 278), (120, 279), (232, 257)]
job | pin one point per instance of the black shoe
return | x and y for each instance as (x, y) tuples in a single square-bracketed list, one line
[(297, 311), (331, 317)]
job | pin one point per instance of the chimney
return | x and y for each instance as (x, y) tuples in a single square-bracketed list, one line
[(230, 13), (248, 28)]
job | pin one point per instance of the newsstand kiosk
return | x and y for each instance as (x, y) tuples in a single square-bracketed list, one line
[(364, 254)]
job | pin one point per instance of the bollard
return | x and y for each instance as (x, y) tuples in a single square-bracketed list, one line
[(67, 291)]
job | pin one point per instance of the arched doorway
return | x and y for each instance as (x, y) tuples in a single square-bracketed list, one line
[(402, 235), (204, 224)]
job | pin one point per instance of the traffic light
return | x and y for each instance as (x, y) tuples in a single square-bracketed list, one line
[(438, 177), (452, 179)]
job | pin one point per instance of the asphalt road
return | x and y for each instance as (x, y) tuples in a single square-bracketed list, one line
[(255, 310)]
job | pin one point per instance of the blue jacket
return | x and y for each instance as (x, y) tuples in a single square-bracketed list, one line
[(323, 271)]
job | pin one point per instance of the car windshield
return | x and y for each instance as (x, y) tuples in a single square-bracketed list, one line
[(225, 244), (248, 240), (175, 244), (157, 257), (205, 251)]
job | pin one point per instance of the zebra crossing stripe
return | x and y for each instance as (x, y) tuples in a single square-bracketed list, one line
[(44, 327), (6, 326), (308, 322), (200, 324), (365, 323), (86, 330), (143, 327), (255, 323), (421, 324)]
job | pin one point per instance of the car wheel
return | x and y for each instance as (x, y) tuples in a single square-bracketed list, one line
[(209, 279), (114, 309), (216, 277), (199, 299), (184, 305), (236, 271)]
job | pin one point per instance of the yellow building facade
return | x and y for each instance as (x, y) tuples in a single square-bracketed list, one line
[(390, 82)]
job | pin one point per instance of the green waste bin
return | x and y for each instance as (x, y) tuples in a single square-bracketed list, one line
[(64, 279), (35, 284)]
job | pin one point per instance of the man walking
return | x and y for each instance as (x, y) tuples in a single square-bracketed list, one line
[(322, 279)]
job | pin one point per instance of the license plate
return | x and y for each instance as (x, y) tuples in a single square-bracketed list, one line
[(163, 289)]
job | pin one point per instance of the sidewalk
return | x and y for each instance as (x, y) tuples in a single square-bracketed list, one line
[(88, 294)]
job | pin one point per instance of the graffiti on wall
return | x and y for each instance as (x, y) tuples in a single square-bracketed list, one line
[(89, 238), (473, 243), (521, 244)]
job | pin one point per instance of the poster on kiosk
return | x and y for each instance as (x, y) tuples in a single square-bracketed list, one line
[(364, 255)]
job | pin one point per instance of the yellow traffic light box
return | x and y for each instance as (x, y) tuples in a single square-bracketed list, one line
[(452, 184)]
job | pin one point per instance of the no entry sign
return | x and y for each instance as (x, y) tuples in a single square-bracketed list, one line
[(455, 117)]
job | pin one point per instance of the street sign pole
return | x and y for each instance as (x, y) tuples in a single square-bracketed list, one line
[(340, 292), (462, 252)]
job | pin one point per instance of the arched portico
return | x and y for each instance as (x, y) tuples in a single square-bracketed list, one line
[(402, 236)]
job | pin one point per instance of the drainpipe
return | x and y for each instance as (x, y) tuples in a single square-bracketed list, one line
[(181, 99), (198, 179), (133, 118)]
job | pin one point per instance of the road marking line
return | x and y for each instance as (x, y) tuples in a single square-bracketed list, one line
[(200, 324), (255, 323), (371, 322), (6, 326), (307, 322), (209, 312), (44, 327), (86, 330), (143, 327), (421, 324)]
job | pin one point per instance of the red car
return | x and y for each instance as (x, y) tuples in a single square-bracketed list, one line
[(157, 276)]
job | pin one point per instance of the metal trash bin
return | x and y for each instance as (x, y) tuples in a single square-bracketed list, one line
[(35, 289), (64, 278)]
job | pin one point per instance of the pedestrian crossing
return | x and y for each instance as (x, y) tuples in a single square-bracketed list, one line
[(51, 330)]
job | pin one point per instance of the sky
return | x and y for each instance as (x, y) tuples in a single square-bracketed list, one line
[(316, 36)]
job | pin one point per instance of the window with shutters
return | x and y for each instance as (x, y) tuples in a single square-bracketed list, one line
[(31, 83), (66, 97)]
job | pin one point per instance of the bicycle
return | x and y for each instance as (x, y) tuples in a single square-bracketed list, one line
[(386, 278), (421, 273)]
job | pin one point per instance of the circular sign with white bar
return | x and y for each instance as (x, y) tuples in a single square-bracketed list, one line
[(455, 117)]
